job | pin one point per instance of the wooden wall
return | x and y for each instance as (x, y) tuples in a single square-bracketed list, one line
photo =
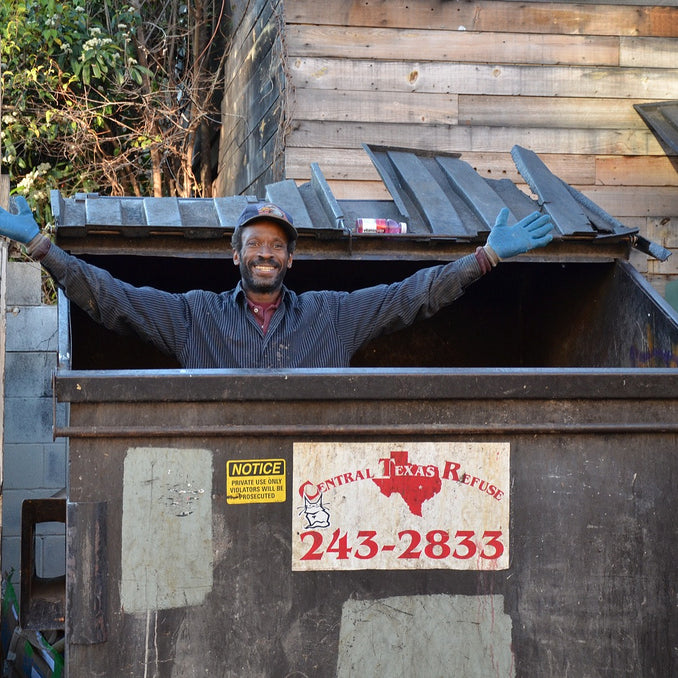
[(478, 78), (253, 118)]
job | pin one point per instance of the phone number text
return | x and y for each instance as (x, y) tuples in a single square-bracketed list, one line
[(435, 544)]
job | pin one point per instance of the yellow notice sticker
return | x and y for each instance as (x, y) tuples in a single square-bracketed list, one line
[(255, 481)]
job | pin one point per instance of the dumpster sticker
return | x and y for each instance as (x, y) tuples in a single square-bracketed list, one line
[(400, 506), (255, 481)]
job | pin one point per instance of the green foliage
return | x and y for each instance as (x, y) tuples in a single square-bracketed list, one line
[(112, 99)]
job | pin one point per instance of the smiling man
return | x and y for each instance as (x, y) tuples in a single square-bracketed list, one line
[(261, 323)]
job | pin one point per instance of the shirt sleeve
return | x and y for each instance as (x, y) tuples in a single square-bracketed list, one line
[(367, 313), (158, 317)]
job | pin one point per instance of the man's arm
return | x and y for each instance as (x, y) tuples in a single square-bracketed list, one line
[(367, 313), (156, 316)]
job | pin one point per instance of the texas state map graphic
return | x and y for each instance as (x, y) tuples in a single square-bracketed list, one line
[(413, 482)]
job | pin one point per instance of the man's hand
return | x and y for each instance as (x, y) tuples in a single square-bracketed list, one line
[(507, 241), (21, 226)]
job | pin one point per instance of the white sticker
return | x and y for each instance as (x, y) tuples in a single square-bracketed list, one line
[(166, 554)]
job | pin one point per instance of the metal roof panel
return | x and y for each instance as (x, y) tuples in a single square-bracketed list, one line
[(439, 195), (662, 118)]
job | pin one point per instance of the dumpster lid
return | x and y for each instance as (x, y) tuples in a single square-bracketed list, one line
[(447, 206)]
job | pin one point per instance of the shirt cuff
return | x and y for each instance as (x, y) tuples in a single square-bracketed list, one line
[(38, 247), (491, 255), (484, 261)]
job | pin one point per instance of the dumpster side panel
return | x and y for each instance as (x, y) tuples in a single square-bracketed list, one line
[(589, 590)]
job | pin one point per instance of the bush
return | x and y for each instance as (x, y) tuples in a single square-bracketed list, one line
[(114, 98)]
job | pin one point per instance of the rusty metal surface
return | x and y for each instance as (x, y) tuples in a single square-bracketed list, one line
[(87, 564), (43, 599), (589, 547), (379, 384)]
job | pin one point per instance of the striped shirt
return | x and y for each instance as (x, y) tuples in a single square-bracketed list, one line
[(204, 329)]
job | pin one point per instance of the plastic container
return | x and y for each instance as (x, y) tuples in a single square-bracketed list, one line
[(380, 226)]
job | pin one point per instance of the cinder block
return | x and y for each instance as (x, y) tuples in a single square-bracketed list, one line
[(11, 508), (28, 420), (29, 374), (50, 555), (32, 328), (55, 465), (24, 466), (11, 557), (24, 283)]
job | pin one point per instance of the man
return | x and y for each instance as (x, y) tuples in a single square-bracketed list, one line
[(261, 323)]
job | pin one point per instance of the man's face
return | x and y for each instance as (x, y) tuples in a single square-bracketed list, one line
[(263, 258)]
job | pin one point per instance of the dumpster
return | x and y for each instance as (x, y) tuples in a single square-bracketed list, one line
[(489, 492)]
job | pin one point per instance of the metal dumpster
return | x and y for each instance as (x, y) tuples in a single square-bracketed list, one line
[(490, 492)]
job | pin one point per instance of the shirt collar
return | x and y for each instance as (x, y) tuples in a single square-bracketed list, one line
[(239, 294)]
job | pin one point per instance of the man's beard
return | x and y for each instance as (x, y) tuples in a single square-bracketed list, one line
[(261, 286)]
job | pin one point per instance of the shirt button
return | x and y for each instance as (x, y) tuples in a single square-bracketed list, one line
[(256, 310)]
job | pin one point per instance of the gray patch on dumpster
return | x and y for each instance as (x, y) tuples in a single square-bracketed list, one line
[(425, 636), (166, 558)]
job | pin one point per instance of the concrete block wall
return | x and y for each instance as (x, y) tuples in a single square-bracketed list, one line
[(34, 463)]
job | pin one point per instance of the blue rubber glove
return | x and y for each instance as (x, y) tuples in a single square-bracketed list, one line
[(20, 226), (507, 241)]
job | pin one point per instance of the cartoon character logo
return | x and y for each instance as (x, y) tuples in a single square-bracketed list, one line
[(314, 511)]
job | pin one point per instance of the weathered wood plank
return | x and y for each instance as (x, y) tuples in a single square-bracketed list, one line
[(525, 111), (251, 151), (255, 98), (450, 45), (648, 52), (245, 98), (251, 107), (528, 17), (336, 164), (257, 49), (636, 171), (640, 3), (548, 81), (355, 165), (623, 201), (461, 139), (247, 32), (403, 107), (359, 190)]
